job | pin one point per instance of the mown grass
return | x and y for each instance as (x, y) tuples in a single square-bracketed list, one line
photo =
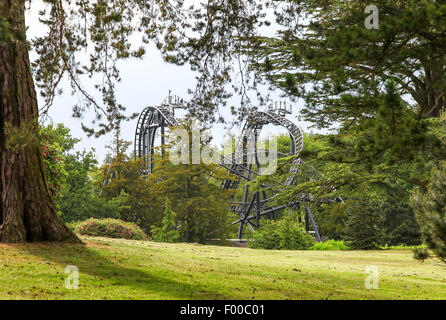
[(125, 269)]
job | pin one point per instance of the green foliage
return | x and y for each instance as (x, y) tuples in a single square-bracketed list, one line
[(201, 206), (430, 208), (121, 174), (78, 201), (105, 30), (420, 254), (330, 245), (394, 218), (195, 195), (284, 234), (4, 31), (60, 135), (53, 163), (355, 182), (356, 79), (331, 219), (69, 178), (337, 65), (56, 142), (391, 136), (401, 247), (168, 231), (362, 230), (266, 237), (399, 224), (121, 202), (315, 145), (111, 228)]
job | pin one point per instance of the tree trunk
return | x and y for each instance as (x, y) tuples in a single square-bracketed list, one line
[(27, 212)]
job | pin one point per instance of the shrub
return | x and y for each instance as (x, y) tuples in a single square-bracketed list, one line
[(284, 234), (330, 245), (111, 228), (420, 254), (266, 238)]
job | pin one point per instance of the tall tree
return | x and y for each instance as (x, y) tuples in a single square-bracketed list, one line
[(327, 54), (100, 29), (323, 51), (362, 227), (196, 196), (27, 212), (430, 207)]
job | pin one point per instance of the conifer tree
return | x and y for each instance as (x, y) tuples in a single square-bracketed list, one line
[(430, 206), (362, 228), (168, 231)]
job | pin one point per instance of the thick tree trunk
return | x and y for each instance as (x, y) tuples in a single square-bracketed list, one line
[(27, 212)]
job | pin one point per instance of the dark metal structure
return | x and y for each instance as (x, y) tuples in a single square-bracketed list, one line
[(154, 120), (244, 162)]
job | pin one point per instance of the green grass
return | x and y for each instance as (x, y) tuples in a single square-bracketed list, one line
[(125, 269), (402, 247)]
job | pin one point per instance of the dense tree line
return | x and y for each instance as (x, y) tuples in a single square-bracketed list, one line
[(120, 189), (186, 202)]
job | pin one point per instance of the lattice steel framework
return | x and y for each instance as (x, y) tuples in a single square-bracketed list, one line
[(244, 163)]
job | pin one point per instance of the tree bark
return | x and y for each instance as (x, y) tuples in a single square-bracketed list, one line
[(27, 212)]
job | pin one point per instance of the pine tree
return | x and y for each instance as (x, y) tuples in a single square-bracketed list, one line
[(168, 231), (430, 208), (325, 43), (399, 223), (362, 228)]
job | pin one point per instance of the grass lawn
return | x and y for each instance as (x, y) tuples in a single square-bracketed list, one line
[(122, 269)]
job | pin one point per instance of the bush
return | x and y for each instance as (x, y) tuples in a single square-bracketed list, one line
[(330, 245), (284, 234), (111, 228), (265, 238), (420, 254)]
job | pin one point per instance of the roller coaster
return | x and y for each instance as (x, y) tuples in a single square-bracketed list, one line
[(244, 163)]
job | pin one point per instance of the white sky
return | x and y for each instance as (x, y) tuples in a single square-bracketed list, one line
[(144, 82)]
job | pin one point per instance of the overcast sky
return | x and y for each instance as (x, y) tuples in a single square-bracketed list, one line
[(144, 83)]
